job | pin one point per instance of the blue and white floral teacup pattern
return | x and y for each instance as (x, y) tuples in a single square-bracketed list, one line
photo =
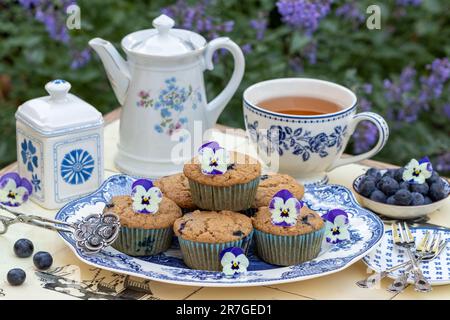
[(146, 197), (284, 209), (233, 261), (306, 147), (213, 158), (416, 172), (14, 190)]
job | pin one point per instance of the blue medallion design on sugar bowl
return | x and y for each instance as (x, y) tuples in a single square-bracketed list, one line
[(59, 146)]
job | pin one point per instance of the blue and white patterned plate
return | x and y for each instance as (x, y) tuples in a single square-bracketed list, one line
[(386, 255), (366, 231)]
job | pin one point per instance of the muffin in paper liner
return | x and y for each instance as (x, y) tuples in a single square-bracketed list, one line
[(206, 256), (143, 242)]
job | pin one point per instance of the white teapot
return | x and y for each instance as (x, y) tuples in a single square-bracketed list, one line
[(161, 89)]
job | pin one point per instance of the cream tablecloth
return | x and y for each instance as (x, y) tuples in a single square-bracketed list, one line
[(70, 278)]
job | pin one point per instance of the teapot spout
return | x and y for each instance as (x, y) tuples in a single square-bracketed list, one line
[(116, 67)]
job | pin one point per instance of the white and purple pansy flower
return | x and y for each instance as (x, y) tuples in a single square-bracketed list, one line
[(233, 261), (417, 172), (213, 158), (336, 226), (145, 196), (14, 190), (284, 208)]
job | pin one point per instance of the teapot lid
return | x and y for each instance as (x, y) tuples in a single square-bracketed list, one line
[(165, 41), (59, 112)]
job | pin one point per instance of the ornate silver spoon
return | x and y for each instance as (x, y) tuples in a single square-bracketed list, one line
[(92, 233)]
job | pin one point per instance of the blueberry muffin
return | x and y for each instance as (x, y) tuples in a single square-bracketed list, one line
[(144, 234), (176, 188), (270, 184), (233, 190), (204, 234), (286, 246)]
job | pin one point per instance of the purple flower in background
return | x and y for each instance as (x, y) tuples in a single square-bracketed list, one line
[(442, 163), (351, 12), (80, 58), (364, 137), (432, 86), (446, 109), (195, 17), (405, 3), (260, 26), (303, 14), (246, 48)]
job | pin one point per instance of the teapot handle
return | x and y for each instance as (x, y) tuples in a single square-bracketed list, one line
[(216, 106)]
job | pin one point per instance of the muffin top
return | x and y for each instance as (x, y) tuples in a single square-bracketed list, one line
[(307, 222), (241, 169), (176, 188), (212, 226), (271, 184), (167, 213)]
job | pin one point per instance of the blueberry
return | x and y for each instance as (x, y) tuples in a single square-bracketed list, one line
[(366, 187), (375, 173), (434, 178), (378, 196), (16, 276), (420, 188), (388, 185), (437, 191), (389, 173), (398, 174), (402, 197), (23, 248), (42, 260), (404, 185), (417, 199), (427, 200), (390, 200)]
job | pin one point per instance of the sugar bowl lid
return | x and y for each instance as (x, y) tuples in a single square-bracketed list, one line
[(163, 40), (59, 112)]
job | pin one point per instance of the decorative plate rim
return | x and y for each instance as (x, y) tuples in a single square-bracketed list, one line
[(374, 242)]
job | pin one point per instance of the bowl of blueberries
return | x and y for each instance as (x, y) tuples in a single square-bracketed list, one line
[(397, 194)]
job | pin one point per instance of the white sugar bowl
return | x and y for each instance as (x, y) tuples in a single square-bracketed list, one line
[(59, 146)]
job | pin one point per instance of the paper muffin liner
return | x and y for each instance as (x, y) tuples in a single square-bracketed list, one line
[(205, 256), (235, 198), (288, 250), (143, 242)]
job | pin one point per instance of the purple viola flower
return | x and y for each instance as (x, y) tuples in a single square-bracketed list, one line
[(233, 261), (336, 226), (14, 190), (146, 197), (416, 172), (213, 158), (285, 209)]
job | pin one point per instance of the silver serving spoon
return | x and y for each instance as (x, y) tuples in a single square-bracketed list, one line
[(92, 233)]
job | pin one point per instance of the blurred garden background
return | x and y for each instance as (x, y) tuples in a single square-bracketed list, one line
[(401, 71)]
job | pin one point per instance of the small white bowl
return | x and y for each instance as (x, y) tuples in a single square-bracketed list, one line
[(399, 212)]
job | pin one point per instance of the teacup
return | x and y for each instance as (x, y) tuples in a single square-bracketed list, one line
[(306, 146)]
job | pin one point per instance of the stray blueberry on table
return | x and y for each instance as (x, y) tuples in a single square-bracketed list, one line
[(16, 276), (42, 260), (404, 185), (390, 200), (403, 197), (420, 188), (366, 187), (23, 248), (437, 191), (417, 199), (398, 174), (388, 185), (378, 196), (434, 178)]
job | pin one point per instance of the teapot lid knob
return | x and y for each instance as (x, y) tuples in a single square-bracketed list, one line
[(58, 89), (163, 24)]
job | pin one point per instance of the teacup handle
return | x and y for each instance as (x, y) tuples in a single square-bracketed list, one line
[(215, 107), (383, 131)]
